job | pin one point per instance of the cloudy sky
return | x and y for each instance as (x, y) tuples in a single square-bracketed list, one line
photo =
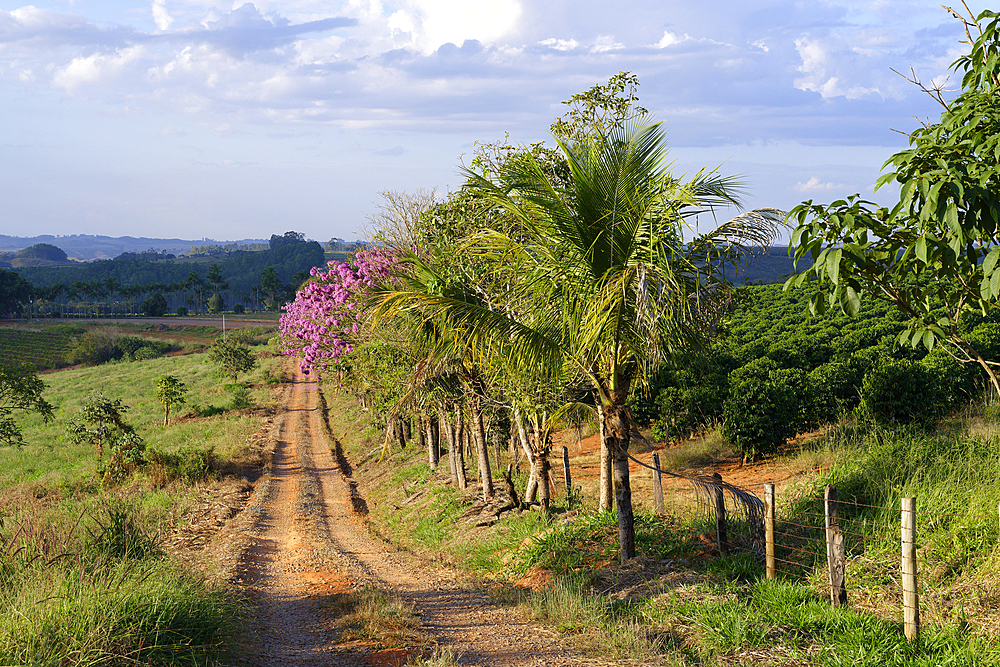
[(207, 118)]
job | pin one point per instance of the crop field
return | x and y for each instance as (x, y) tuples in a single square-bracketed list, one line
[(44, 348)]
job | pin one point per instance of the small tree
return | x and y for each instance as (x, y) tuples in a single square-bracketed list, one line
[(216, 304), (155, 306), (101, 422), (20, 389), (232, 356), (169, 391)]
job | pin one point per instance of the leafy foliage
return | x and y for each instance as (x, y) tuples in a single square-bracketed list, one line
[(15, 292), (936, 253), (98, 347), (20, 390), (170, 392), (232, 356), (767, 405), (900, 391), (155, 306), (101, 422)]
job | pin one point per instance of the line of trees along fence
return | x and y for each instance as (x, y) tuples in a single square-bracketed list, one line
[(742, 521)]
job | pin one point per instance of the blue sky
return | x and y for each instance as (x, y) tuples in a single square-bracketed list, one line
[(195, 118)]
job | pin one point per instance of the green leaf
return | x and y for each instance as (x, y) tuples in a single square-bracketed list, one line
[(852, 301), (990, 263), (951, 217), (928, 339), (833, 265), (921, 249)]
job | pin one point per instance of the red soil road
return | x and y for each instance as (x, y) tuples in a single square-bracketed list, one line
[(309, 544)]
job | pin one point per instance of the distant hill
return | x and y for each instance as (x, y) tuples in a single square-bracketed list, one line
[(769, 265), (40, 254), (88, 247)]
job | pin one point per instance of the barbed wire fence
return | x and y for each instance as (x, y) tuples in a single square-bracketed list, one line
[(831, 541)]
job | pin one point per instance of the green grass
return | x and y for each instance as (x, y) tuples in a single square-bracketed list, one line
[(376, 617), (711, 610), (96, 590), (785, 618), (82, 578), (49, 460)]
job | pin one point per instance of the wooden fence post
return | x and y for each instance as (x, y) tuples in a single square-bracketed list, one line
[(769, 529), (566, 476), (658, 485), (911, 600), (836, 556), (720, 516)]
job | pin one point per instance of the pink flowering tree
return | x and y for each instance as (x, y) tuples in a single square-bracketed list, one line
[(325, 320)]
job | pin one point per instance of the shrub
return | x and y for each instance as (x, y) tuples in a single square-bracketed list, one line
[(684, 410), (231, 356), (835, 387), (91, 349), (155, 306), (182, 311), (766, 406), (238, 308), (900, 391), (956, 382), (241, 398), (190, 464)]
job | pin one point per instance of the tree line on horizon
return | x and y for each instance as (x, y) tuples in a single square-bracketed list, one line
[(134, 283)]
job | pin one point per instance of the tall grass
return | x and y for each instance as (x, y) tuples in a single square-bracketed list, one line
[(97, 591), (952, 473), (83, 580)]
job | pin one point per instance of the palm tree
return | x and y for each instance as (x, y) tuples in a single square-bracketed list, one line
[(600, 263)]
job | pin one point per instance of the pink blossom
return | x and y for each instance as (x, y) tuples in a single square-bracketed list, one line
[(322, 323)]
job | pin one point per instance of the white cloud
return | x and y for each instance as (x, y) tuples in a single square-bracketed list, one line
[(821, 70), (671, 38), (160, 15), (430, 24), (606, 43), (815, 185), (94, 69), (560, 44)]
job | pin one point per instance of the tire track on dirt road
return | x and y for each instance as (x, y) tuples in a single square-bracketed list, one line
[(309, 543)]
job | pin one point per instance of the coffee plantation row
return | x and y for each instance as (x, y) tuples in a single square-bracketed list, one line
[(775, 371)]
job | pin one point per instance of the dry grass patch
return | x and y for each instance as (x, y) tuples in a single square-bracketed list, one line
[(375, 617)]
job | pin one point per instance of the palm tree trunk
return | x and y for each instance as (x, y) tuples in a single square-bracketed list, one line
[(450, 435), (607, 488), (460, 435), (617, 432), (482, 452), (522, 433), (433, 453)]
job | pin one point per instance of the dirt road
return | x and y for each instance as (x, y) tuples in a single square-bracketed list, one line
[(309, 544)]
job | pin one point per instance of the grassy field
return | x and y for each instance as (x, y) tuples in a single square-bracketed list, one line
[(84, 578), (681, 603)]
